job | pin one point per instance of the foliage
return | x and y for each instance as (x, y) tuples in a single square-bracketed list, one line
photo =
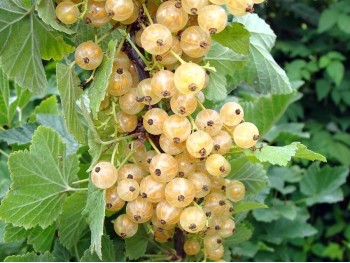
[(47, 211)]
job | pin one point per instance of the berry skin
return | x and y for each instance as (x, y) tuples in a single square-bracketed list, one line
[(168, 58), (170, 147), (199, 144), (217, 165), (163, 84), (67, 12), (126, 122), (145, 93), (152, 190), (195, 42), (189, 78), (113, 201), (209, 121), (183, 105), (156, 39), (153, 121), (219, 2), (171, 15), (186, 167), (240, 8), (128, 189), (201, 183), (193, 219), (228, 228), (216, 254), (222, 142), (120, 82), (231, 114), (235, 191), (179, 192), (246, 135), (121, 60), (124, 227), (104, 175), (131, 171), (193, 6), (176, 128), (96, 14), (163, 167), (88, 55), (192, 247), (129, 103), (212, 242), (212, 18), (168, 214), (139, 210), (119, 10)]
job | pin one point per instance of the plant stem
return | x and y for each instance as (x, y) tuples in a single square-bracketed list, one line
[(137, 51), (145, 10), (127, 157), (2, 128), (200, 104), (177, 57), (77, 189), (81, 181), (114, 152), (152, 144), (194, 126), (119, 139), (4, 154), (106, 34)]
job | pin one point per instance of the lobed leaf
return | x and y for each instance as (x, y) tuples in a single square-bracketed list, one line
[(31, 257), (41, 178), (136, 245), (108, 252), (241, 207)]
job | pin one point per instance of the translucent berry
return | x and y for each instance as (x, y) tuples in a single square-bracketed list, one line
[(192, 247), (139, 210), (189, 78), (88, 55), (199, 144), (163, 167), (156, 39), (168, 214), (124, 227), (67, 12), (152, 190), (231, 113), (235, 191), (113, 201), (179, 192), (193, 219), (171, 15), (246, 135), (195, 42), (176, 128), (153, 120), (119, 10), (128, 189), (104, 175)]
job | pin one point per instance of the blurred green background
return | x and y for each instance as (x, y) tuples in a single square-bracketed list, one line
[(313, 46)]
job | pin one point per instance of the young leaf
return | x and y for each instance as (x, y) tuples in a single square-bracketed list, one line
[(241, 207), (263, 73), (42, 239), (46, 11), (47, 106), (20, 135), (25, 40), (243, 233), (281, 155), (31, 257), (72, 223), (9, 105), (67, 83), (136, 246), (95, 212), (41, 178), (108, 252), (251, 174), (265, 111), (235, 37), (101, 79), (322, 185)]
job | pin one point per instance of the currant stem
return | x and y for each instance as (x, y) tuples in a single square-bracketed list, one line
[(4, 154), (91, 76), (119, 139), (208, 67), (106, 34), (194, 126), (152, 144), (177, 56), (200, 104), (145, 10), (114, 152), (81, 181), (85, 8), (137, 51), (127, 158)]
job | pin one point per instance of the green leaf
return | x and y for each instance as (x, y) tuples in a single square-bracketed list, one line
[(46, 11), (277, 209), (25, 40), (323, 87), (40, 181), (60, 253), (56, 122), (252, 175), (241, 207), (243, 233), (67, 82), (108, 252), (31, 257), (336, 71), (216, 88), (327, 20), (72, 223), (343, 22), (95, 212), (322, 185), (42, 239), (266, 111), (20, 135), (47, 106), (282, 155), (263, 73), (235, 37), (15, 233), (99, 85), (287, 132), (8, 104), (136, 246)]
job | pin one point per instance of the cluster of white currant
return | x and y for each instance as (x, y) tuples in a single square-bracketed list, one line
[(180, 183)]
